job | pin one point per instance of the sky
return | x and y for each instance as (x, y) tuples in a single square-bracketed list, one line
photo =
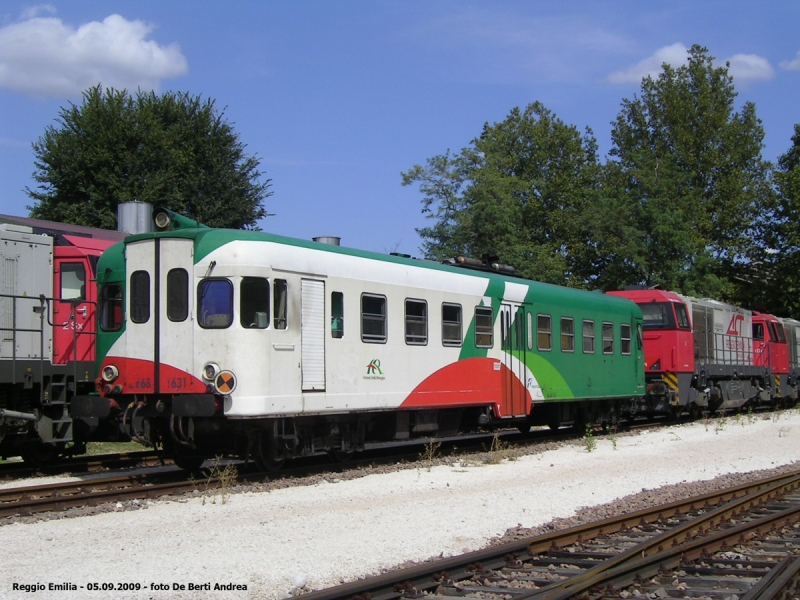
[(338, 98)]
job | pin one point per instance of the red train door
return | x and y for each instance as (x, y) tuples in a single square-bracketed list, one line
[(73, 311), (513, 319)]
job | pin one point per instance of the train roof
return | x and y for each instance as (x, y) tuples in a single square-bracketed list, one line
[(66, 234), (207, 240)]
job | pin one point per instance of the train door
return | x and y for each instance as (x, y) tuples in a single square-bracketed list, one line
[(513, 324), (312, 335), (74, 308), (159, 327)]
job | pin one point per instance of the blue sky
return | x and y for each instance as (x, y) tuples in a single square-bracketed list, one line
[(338, 98)]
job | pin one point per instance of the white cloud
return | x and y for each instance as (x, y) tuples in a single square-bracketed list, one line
[(45, 57), (792, 65), (746, 68), (675, 55)]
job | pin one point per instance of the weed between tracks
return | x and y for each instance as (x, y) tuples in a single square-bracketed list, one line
[(224, 476), (589, 439), (430, 454)]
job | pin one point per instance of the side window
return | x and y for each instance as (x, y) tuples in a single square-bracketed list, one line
[(483, 327), (337, 315), (544, 332), (416, 322), (683, 316), (529, 330), (281, 291), (567, 335), (254, 303), (140, 296), (451, 325), (781, 333), (215, 303), (373, 319), (111, 307), (588, 337), (625, 338), (177, 295), (758, 331), (73, 281), (608, 338)]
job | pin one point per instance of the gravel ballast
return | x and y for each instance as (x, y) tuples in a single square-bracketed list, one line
[(338, 529)]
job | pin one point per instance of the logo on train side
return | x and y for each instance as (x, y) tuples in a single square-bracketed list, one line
[(735, 326), (374, 370)]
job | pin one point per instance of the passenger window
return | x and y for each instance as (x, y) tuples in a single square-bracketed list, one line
[(625, 338), (451, 325), (608, 338), (73, 281), (281, 290), (416, 322), (567, 335), (111, 307), (337, 315), (484, 334), (177, 295), (254, 303), (373, 319), (588, 337), (140, 296), (544, 332), (215, 303)]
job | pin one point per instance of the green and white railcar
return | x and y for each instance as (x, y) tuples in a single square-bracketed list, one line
[(214, 340)]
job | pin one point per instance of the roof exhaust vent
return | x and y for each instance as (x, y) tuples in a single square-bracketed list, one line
[(328, 239), (135, 217)]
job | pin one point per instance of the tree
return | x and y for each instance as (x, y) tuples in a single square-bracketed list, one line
[(518, 192), (691, 170), (173, 150)]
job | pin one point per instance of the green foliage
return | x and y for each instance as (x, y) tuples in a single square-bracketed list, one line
[(173, 150), (518, 192), (690, 170)]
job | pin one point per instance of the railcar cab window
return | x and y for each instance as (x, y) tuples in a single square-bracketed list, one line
[(177, 295), (567, 334), (588, 337), (544, 332), (625, 338), (337, 315), (215, 303), (281, 291), (484, 332), (451, 324), (373, 319), (111, 307), (140, 296), (254, 303), (416, 322), (608, 338), (73, 281)]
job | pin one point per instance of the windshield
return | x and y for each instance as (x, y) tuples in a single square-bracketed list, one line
[(658, 315)]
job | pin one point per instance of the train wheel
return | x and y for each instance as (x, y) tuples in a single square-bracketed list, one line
[(40, 455), (268, 457), (187, 460)]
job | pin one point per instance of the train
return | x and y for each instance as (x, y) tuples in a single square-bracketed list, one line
[(204, 342), (48, 299)]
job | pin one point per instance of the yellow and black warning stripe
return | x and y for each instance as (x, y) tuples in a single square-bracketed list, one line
[(671, 379)]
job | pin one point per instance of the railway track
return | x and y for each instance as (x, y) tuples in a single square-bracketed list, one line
[(81, 464), (741, 542)]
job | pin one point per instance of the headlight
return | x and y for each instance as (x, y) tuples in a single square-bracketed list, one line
[(210, 371), (110, 373), (161, 220)]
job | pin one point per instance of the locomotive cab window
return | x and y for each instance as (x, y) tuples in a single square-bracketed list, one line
[(567, 334), (254, 303), (73, 281), (373, 319), (281, 292), (625, 338), (177, 295), (544, 332), (337, 315), (416, 322), (484, 334), (588, 337), (451, 324), (758, 331), (215, 303), (111, 307), (140, 296), (608, 338)]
